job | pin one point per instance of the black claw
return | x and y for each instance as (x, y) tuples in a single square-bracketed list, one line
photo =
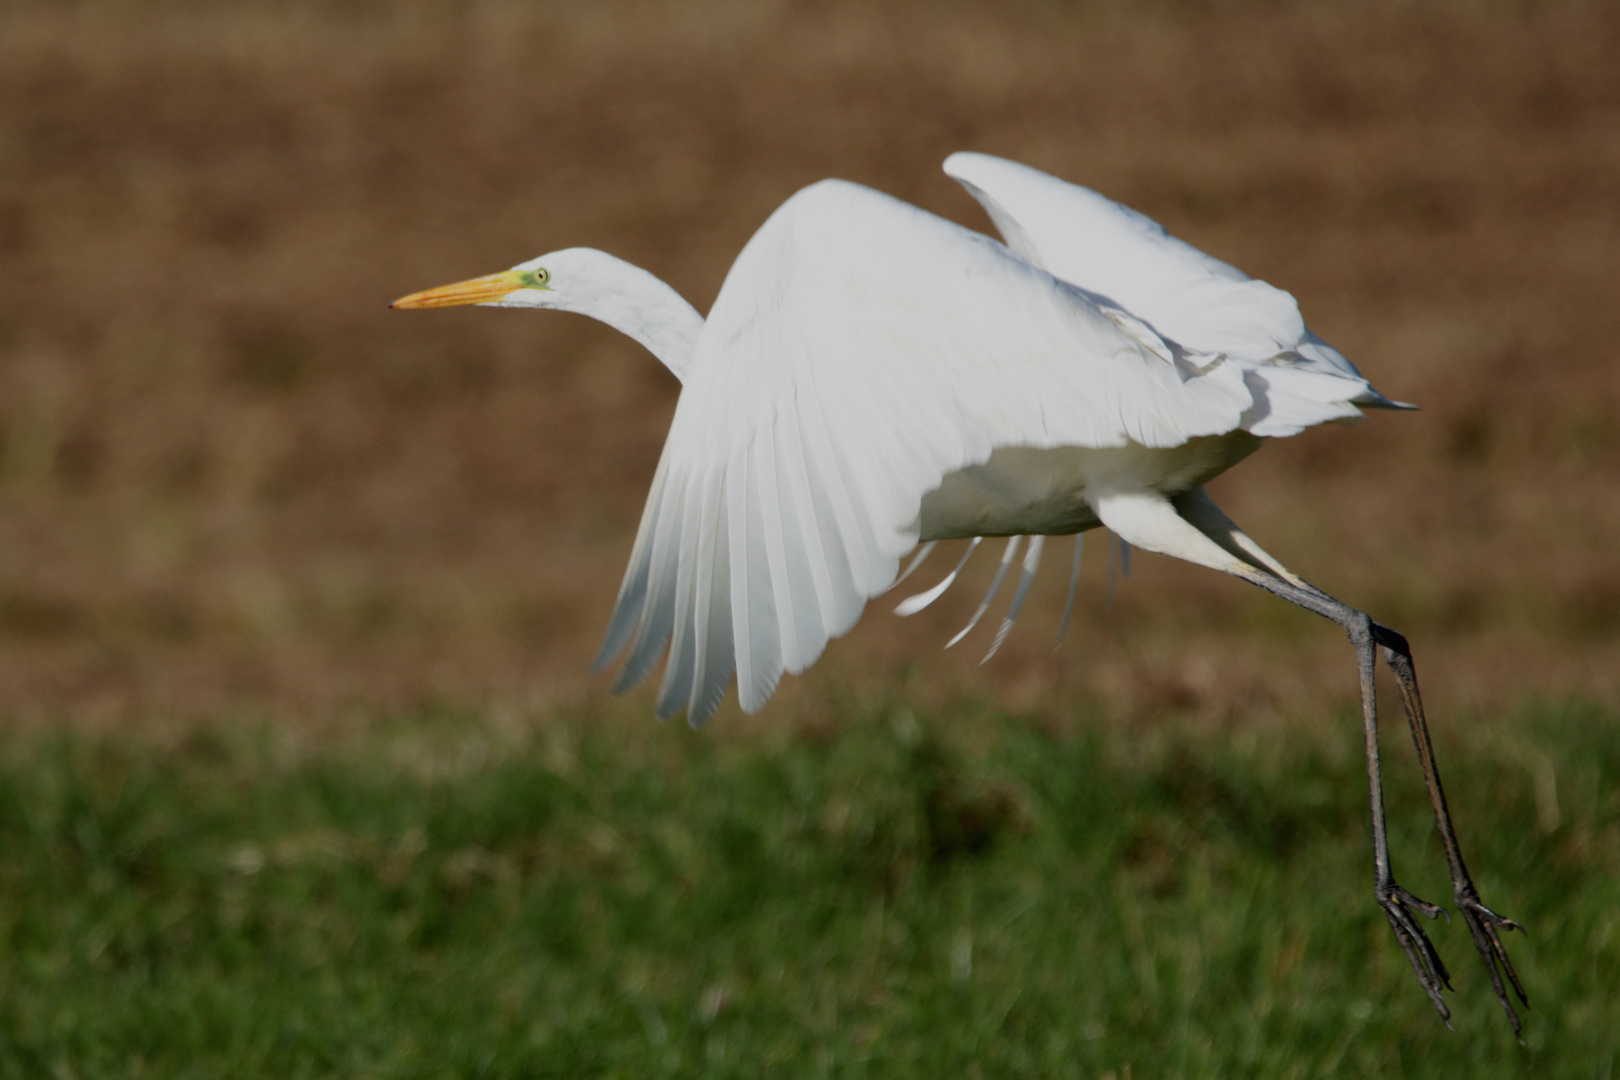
[(1482, 924), (1433, 911), (1398, 905)]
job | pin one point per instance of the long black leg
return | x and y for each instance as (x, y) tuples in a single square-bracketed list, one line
[(1483, 923), (1195, 529), (1400, 906)]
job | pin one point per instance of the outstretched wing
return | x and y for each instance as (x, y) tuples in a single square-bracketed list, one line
[(860, 350), (1185, 295)]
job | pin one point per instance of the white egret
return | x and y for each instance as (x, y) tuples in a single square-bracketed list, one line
[(872, 376)]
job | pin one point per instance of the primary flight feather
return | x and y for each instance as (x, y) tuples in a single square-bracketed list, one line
[(872, 376)]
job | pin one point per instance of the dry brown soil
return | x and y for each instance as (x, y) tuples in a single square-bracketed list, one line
[(232, 481)]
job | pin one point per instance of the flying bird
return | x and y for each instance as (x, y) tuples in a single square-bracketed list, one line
[(872, 377)]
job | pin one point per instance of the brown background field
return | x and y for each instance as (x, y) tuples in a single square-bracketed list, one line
[(231, 481)]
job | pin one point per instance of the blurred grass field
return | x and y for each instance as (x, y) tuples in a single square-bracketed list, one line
[(449, 894)]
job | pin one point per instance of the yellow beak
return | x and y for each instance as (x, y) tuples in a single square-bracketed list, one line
[(478, 290)]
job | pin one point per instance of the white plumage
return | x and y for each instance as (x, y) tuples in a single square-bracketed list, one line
[(1130, 261), (872, 376), (842, 374), (861, 351)]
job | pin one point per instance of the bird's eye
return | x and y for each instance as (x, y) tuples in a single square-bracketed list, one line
[(541, 276)]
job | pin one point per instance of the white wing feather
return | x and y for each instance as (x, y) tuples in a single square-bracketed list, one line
[(913, 604), (1185, 295), (1032, 562), (860, 350), (1007, 556)]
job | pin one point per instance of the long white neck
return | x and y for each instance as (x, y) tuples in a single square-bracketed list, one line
[(630, 300)]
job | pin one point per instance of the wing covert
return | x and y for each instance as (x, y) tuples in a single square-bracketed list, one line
[(1186, 295)]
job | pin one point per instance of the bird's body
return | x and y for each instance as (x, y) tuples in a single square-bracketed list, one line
[(1025, 491), (871, 376)]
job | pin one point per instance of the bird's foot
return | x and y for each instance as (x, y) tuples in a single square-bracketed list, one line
[(1483, 924), (1399, 907)]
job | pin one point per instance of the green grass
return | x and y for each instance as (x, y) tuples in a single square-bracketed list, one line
[(441, 897)]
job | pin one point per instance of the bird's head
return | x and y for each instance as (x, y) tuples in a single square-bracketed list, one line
[(562, 279), (587, 282)]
